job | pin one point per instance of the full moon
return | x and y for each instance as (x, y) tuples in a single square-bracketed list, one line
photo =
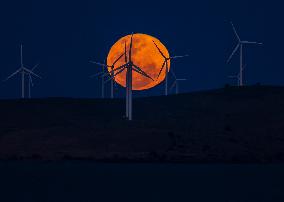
[(145, 55)]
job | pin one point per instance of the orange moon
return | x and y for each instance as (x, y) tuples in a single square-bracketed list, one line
[(145, 55)]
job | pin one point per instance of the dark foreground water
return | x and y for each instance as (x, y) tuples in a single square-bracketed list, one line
[(87, 181)]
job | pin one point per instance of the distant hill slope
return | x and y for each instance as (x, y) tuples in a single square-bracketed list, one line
[(231, 125)]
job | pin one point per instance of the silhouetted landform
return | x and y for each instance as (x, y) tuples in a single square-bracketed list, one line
[(230, 125)]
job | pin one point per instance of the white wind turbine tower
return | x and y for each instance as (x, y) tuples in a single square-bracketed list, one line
[(237, 77), (23, 71), (240, 46), (129, 66), (176, 82), (166, 65), (103, 74)]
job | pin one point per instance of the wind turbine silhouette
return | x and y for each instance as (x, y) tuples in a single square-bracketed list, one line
[(23, 71), (31, 84), (103, 74), (166, 65), (240, 46), (102, 80), (176, 82), (129, 66)]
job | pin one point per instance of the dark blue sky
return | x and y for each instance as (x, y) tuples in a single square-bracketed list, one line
[(64, 35)]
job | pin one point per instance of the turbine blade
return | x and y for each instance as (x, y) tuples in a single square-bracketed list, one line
[(235, 31), (13, 74), (136, 70), (162, 68), (125, 58), (112, 77), (233, 53), (251, 42), (174, 75), (97, 74), (106, 74), (130, 49), (107, 81), (159, 50), (31, 80), (100, 64), (173, 85), (35, 67), (181, 56), (140, 71), (30, 72), (113, 70), (117, 59), (118, 68)]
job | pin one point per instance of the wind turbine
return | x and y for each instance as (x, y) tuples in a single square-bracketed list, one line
[(23, 71), (240, 46), (129, 66), (31, 84), (166, 65), (103, 74), (176, 82), (103, 80)]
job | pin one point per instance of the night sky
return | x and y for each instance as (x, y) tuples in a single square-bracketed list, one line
[(64, 35)]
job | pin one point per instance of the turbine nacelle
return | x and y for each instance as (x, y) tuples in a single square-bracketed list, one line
[(240, 46), (166, 60), (24, 71), (240, 43), (106, 65)]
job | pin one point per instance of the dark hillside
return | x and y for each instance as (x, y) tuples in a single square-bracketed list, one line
[(231, 125)]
